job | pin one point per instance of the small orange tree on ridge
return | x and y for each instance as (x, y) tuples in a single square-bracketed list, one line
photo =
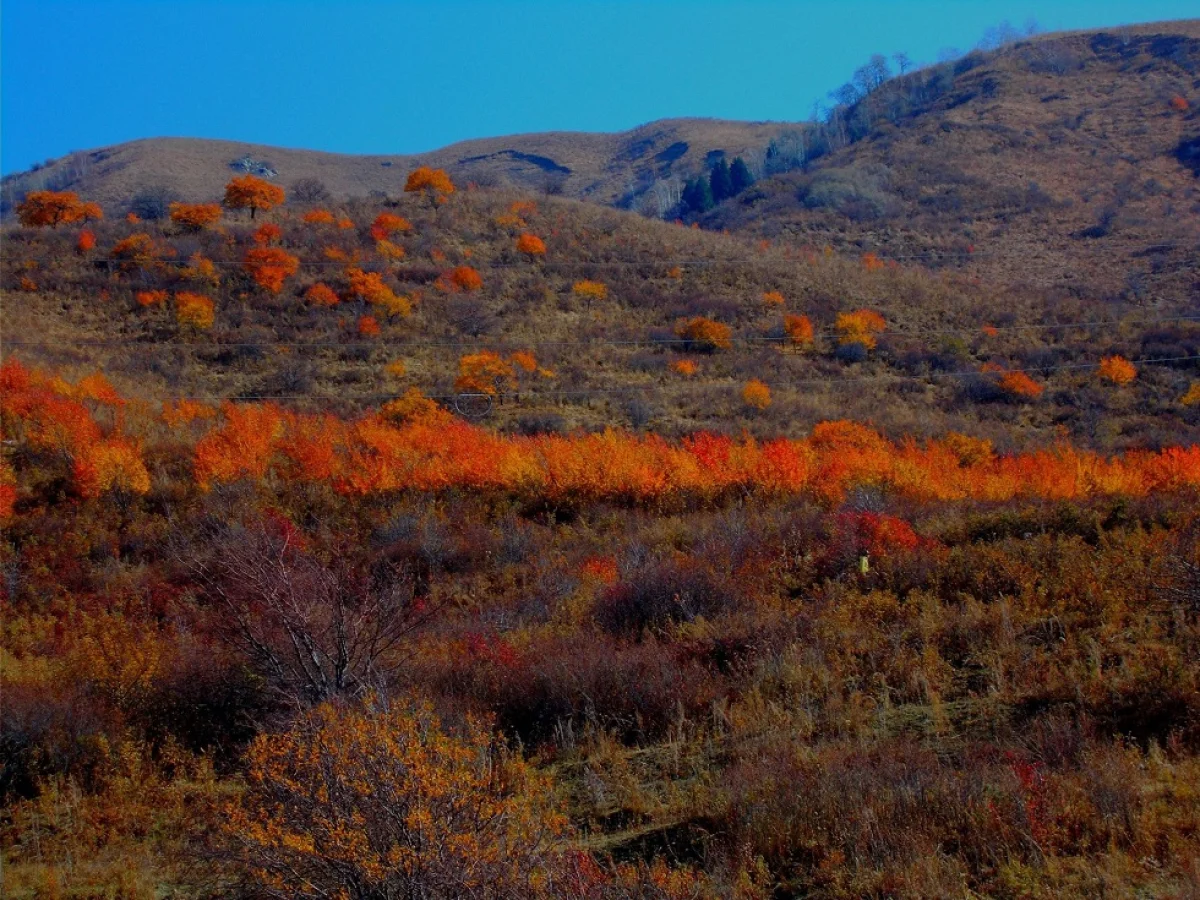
[(40, 209), (249, 192)]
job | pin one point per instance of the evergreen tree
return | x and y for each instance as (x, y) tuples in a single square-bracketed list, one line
[(721, 182), (740, 175), (697, 195)]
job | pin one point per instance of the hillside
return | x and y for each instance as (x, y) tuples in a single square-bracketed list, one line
[(619, 357), (496, 542), (1064, 165), (614, 169)]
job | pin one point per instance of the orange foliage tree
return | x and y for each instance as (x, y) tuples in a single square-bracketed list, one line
[(590, 290), (319, 217), (370, 286), (684, 367), (266, 234), (44, 414), (195, 216), (241, 447), (799, 330), (460, 278), (86, 242), (860, 327), (531, 245), (385, 803), (138, 251), (201, 268), (413, 406), (773, 298), (524, 360), (368, 326), (434, 182), (41, 209), (484, 373), (270, 267), (8, 489), (756, 394), (704, 335), (1018, 384), (388, 250), (151, 298), (252, 193), (386, 224), (1117, 369), (194, 310), (321, 294)]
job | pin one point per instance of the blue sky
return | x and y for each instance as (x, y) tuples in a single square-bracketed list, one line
[(399, 77)]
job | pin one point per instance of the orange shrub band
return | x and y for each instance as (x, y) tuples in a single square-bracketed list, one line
[(432, 451)]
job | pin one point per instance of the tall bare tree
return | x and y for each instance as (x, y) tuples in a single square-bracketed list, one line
[(312, 631)]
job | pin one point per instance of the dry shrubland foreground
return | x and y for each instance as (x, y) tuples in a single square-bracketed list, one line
[(816, 519)]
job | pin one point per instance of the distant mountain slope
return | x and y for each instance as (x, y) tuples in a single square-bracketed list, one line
[(611, 169), (1066, 163)]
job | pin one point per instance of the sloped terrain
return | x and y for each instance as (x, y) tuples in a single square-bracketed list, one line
[(615, 169), (1060, 165), (618, 358), (514, 546)]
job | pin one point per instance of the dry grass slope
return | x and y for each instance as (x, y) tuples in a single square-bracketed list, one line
[(1054, 165), (605, 168)]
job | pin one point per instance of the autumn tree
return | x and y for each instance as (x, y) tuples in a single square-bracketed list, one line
[(151, 298), (137, 251), (86, 242), (368, 326), (799, 330), (772, 298), (195, 216), (1018, 384), (201, 268), (310, 190), (252, 193), (1117, 369), (312, 631), (370, 286), (270, 267), (319, 217), (321, 294), (41, 209), (704, 335), (756, 395), (531, 245), (860, 327), (590, 290), (389, 250), (194, 310), (382, 802), (386, 224), (460, 278), (267, 234), (484, 373), (434, 182)]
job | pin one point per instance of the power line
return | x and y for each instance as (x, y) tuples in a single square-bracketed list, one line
[(618, 342), (536, 392)]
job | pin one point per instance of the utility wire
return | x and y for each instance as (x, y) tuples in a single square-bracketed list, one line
[(615, 342), (536, 392)]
